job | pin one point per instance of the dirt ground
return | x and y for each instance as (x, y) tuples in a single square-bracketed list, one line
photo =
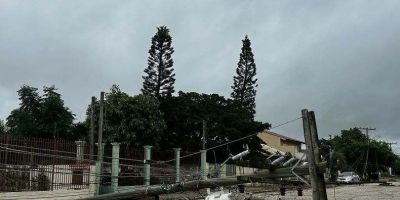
[(371, 191), (354, 192)]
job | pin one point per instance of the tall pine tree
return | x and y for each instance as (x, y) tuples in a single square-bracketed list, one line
[(244, 82), (159, 79)]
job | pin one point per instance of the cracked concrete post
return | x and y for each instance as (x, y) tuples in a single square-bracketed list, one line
[(147, 158), (177, 164), (115, 166)]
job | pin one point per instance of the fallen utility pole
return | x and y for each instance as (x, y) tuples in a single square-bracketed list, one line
[(155, 190), (262, 175), (315, 168), (281, 172)]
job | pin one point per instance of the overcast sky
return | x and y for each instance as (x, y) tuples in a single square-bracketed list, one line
[(338, 58)]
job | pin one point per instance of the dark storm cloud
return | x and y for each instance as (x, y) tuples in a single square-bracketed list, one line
[(338, 58)]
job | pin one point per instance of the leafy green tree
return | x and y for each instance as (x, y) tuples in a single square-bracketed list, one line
[(40, 116), (79, 131), (55, 119), (159, 79), (225, 122), (2, 127), (396, 166), (350, 148), (25, 119), (245, 82), (134, 120)]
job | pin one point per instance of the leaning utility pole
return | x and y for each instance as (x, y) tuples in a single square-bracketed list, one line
[(366, 158)]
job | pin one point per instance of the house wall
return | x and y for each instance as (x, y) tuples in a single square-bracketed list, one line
[(282, 145)]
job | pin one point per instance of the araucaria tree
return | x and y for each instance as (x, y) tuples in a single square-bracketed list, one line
[(159, 79), (245, 82)]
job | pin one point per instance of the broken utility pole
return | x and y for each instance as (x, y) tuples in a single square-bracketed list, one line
[(313, 155), (315, 141), (153, 190), (315, 168)]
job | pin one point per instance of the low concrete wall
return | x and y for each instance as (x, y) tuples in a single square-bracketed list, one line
[(57, 194)]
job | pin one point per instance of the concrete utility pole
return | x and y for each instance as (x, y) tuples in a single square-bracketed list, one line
[(91, 140), (316, 147), (101, 116), (310, 154), (272, 175), (313, 155), (366, 158), (204, 134), (99, 164)]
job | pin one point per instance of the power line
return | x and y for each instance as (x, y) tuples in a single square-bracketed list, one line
[(233, 141)]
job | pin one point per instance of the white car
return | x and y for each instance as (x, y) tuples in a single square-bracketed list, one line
[(348, 177)]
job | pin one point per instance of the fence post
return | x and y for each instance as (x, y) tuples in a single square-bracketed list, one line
[(147, 158), (203, 165), (99, 164), (177, 164), (80, 149), (115, 166)]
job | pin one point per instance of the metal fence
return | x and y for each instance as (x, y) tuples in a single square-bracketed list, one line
[(35, 164)]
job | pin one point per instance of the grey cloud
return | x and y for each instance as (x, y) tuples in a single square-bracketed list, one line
[(339, 58)]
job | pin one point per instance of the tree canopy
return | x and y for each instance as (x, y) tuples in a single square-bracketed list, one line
[(159, 79), (225, 122), (40, 116), (134, 120), (350, 148), (2, 127), (156, 117)]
